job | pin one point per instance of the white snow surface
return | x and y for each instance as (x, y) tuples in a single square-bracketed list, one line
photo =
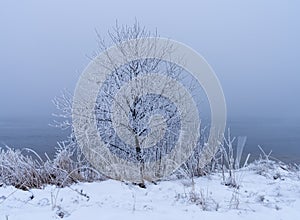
[(263, 194)]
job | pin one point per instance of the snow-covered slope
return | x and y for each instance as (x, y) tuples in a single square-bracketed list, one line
[(263, 194)]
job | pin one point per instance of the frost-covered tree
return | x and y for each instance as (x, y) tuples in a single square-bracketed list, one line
[(154, 120), (151, 115)]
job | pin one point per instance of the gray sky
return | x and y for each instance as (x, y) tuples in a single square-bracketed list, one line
[(252, 45)]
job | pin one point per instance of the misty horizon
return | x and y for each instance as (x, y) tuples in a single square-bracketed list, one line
[(254, 54)]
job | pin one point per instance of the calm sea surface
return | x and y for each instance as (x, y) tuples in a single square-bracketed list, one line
[(282, 136), (34, 133)]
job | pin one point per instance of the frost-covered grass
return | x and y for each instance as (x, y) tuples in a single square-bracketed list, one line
[(267, 190), (26, 170)]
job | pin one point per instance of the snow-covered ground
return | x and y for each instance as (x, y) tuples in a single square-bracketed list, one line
[(265, 192)]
